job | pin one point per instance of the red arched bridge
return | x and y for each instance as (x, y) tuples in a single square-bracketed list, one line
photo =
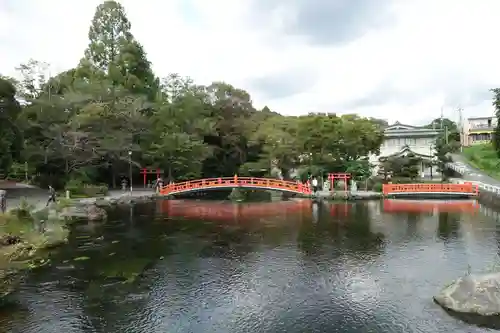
[(236, 182), (430, 190)]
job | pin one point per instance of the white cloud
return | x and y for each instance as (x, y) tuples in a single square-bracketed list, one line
[(433, 50)]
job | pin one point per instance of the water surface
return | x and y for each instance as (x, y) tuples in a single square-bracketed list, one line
[(295, 266)]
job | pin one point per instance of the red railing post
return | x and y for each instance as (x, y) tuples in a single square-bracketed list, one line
[(144, 175)]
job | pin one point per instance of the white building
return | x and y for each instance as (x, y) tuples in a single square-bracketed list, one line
[(478, 130), (401, 140)]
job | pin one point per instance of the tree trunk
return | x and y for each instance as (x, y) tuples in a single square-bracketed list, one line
[(170, 180), (113, 176)]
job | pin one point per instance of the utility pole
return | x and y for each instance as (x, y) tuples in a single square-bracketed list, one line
[(461, 128), (441, 117), (130, 170)]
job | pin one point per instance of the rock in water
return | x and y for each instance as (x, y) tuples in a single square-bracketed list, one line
[(95, 213), (473, 298)]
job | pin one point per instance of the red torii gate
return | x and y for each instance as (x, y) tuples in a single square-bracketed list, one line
[(145, 172), (338, 176)]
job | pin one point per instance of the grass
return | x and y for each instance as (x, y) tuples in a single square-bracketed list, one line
[(484, 158)]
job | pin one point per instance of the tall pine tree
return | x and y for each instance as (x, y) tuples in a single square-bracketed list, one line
[(115, 54)]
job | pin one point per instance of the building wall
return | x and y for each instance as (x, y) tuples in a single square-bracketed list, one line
[(481, 123), (419, 141), (478, 130), (423, 146)]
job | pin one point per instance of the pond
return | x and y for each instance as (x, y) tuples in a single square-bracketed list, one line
[(289, 266)]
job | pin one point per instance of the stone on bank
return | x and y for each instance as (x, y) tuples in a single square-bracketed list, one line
[(474, 298)]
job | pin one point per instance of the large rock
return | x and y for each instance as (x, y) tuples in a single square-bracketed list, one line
[(95, 213), (473, 298), (89, 211)]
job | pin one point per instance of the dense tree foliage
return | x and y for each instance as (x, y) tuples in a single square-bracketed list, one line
[(92, 122), (447, 142), (10, 135), (450, 132), (407, 166), (496, 104)]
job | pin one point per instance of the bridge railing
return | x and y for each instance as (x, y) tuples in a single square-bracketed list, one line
[(225, 182), (461, 169), (482, 186), (466, 188)]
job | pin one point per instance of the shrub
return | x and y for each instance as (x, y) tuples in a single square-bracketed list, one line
[(17, 222), (78, 188), (377, 187), (24, 211)]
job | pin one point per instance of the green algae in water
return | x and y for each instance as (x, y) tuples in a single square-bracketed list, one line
[(126, 270), (82, 237), (81, 258), (38, 263)]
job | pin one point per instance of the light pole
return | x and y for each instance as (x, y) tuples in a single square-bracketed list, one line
[(432, 158), (130, 169)]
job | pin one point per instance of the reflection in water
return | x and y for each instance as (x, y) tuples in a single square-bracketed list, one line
[(294, 266), (315, 214), (430, 206), (448, 225)]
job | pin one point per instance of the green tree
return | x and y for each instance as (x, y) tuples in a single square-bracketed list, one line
[(360, 169), (34, 75), (11, 142), (450, 131), (113, 52), (333, 142), (179, 125), (496, 104), (231, 110), (276, 139), (442, 151), (109, 33), (401, 167)]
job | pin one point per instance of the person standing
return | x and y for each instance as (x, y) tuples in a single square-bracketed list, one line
[(315, 184), (52, 195), (3, 201), (158, 184), (124, 184)]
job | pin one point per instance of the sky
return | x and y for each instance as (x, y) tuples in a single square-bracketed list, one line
[(399, 60)]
